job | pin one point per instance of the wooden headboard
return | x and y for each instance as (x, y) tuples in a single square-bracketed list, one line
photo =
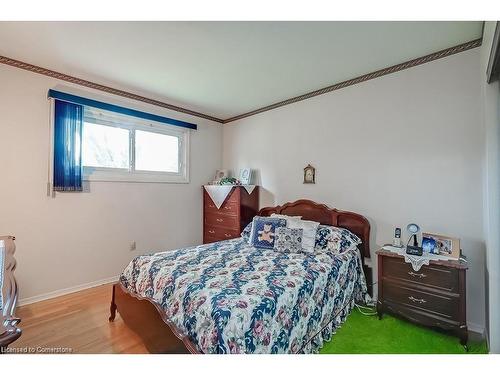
[(309, 210)]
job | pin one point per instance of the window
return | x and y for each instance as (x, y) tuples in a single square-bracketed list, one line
[(105, 146), (121, 148), (156, 152)]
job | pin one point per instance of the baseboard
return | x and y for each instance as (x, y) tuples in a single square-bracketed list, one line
[(487, 336), (476, 328), (62, 292)]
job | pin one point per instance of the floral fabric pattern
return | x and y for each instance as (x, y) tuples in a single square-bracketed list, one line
[(246, 232), (230, 297), (288, 240), (335, 239)]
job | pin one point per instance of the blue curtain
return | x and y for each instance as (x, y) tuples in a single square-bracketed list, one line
[(68, 124)]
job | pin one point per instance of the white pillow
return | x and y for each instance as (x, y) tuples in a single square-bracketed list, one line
[(286, 217), (309, 229)]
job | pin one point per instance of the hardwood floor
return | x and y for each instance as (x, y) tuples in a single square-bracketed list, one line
[(78, 321)]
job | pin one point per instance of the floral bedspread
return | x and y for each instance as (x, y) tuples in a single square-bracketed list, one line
[(230, 297)]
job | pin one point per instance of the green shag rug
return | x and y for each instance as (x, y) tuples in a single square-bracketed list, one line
[(361, 334)]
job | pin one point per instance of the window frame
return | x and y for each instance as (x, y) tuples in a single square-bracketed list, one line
[(130, 174)]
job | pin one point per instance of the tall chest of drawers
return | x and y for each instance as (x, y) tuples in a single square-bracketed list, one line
[(230, 219), (433, 296)]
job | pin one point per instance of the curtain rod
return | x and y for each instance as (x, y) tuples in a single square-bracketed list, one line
[(59, 95)]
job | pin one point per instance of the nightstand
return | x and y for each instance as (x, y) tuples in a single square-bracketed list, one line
[(434, 296)]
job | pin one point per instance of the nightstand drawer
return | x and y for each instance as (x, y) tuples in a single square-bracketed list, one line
[(222, 220), (438, 304), (443, 278)]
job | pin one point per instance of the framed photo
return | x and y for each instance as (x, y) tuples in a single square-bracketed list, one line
[(245, 176), (441, 245), (309, 174), (220, 174)]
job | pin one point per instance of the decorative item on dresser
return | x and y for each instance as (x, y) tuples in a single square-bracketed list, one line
[(433, 296), (246, 176), (228, 221), (9, 332)]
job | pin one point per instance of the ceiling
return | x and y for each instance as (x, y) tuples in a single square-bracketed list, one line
[(224, 69)]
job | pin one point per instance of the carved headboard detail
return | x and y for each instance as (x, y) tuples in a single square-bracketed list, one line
[(310, 210)]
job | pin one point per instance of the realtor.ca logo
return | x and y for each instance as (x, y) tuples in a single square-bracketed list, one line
[(36, 350)]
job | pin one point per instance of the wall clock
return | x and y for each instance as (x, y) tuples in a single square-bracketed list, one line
[(309, 174)]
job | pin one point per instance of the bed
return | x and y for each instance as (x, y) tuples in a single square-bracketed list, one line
[(230, 297)]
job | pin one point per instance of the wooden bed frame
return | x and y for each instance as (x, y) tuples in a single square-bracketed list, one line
[(148, 320)]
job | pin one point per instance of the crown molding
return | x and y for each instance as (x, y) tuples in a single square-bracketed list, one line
[(366, 77), (337, 86), (110, 90)]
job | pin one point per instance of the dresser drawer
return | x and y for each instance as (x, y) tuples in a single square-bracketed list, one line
[(208, 239), (439, 304), (220, 233), (228, 207), (442, 278), (234, 197), (222, 220)]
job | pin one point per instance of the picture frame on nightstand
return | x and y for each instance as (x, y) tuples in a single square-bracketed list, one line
[(441, 245)]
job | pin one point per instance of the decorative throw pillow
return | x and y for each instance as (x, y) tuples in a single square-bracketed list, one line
[(264, 231), (309, 232), (322, 235), (288, 240), (248, 229), (335, 239), (246, 232)]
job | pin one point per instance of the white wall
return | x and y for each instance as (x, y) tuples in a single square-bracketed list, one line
[(407, 147), (80, 238), (491, 103)]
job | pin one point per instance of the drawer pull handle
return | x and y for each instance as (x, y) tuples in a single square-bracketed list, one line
[(211, 231), (227, 235), (220, 220), (419, 275), (419, 300)]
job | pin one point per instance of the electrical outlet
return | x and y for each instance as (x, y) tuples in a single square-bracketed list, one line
[(132, 246)]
